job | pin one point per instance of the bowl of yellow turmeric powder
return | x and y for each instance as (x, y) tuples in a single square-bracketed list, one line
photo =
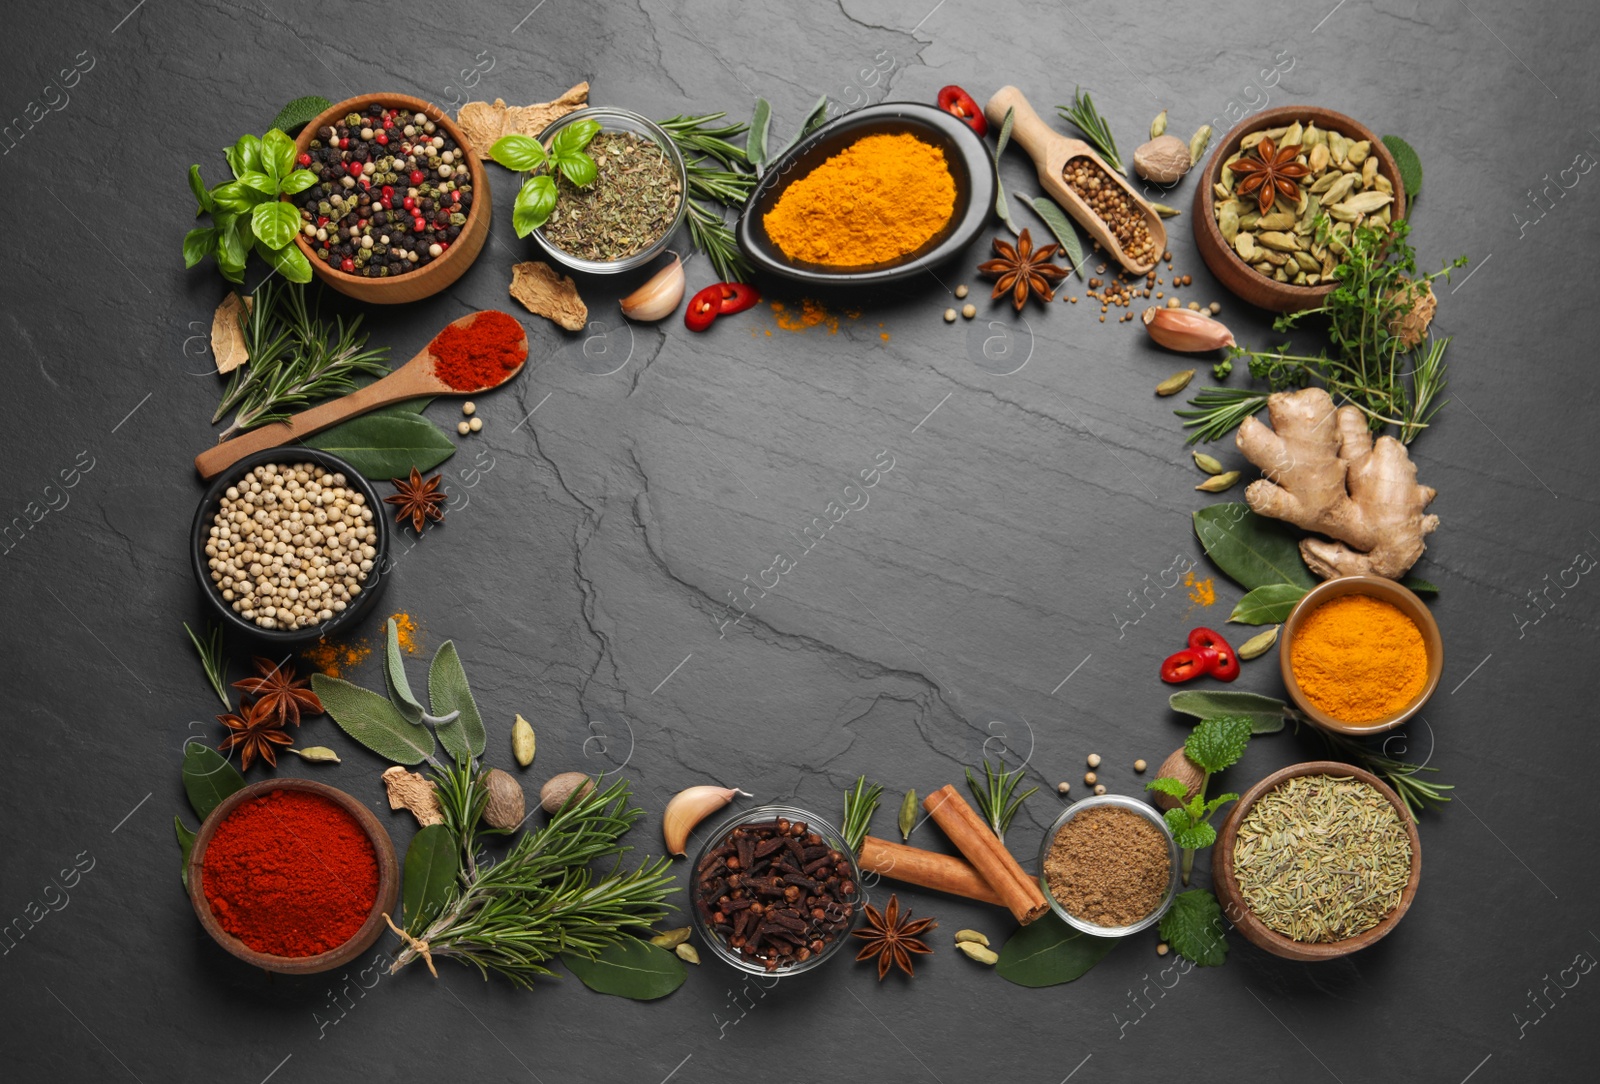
[(1360, 654), (876, 195)]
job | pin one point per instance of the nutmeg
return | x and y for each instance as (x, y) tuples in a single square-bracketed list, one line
[(560, 788), (507, 806), (1178, 766), (1163, 160)]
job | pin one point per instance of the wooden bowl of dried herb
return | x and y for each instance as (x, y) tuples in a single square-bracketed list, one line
[(1270, 872)]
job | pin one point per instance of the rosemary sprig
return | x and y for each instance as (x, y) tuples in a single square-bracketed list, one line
[(1417, 793), (719, 173), (995, 798), (1218, 411), (860, 803), (1088, 119), (212, 659)]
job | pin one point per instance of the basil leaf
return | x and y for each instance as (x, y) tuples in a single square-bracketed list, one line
[(277, 154), (432, 863), (386, 445), (299, 113), (255, 181), (535, 201), (394, 673), (1060, 225), (197, 245), (1048, 952), (232, 244), (1267, 605), (629, 968), (1265, 713), (207, 778), (1252, 550), (298, 181), (275, 223), (186, 843), (1419, 586), (578, 168), (198, 187), (371, 720), (448, 691), (574, 137), (1410, 165), (755, 144), (1193, 927), (518, 152), (246, 155), (288, 261), (233, 196)]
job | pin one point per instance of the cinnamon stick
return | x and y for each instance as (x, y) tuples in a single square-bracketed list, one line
[(1019, 892), (925, 869)]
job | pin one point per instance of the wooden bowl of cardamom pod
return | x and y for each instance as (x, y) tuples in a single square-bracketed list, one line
[(1287, 268)]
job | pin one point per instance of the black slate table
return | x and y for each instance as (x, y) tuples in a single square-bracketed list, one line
[(995, 595)]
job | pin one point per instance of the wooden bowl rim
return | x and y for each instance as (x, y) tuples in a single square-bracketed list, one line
[(480, 183), (360, 941), (1290, 297), (1254, 930), (1399, 595)]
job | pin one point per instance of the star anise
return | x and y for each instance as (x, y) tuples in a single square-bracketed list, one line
[(1023, 268), (254, 729), (892, 938), (1271, 174), (420, 500), (277, 687)]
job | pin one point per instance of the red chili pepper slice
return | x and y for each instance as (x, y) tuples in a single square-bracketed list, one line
[(736, 297), (704, 307), (958, 103), (1183, 666), (1211, 644), (1226, 666), (1202, 639)]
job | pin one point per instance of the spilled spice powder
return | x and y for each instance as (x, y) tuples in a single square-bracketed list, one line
[(810, 314), (407, 629), (1201, 592), (1109, 866), (334, 658)]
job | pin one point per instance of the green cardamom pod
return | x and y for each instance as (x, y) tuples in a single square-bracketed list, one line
[(1197, 144), (1220, 483), (688, 953), (1158, 127), (908, 814), (523, 742), (1175, 383), (963, 936), (977, 952), (1164, 211), (1258, 645), (1207, 463), (318, 754), (671, 939)]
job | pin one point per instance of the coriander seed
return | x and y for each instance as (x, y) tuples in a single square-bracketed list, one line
[(1090, 778), (1094, 760)]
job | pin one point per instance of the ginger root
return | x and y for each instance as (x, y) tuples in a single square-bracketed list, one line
[(1324, 473)]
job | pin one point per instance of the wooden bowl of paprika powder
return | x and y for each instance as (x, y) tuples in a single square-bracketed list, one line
[(293, 876)]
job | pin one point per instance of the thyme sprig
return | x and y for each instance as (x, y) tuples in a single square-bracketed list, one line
[(860, 803), (212, 659), (1088, 119), (996, 803)]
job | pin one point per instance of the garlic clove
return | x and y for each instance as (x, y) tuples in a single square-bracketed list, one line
[(1186, 330), (688, 808), (659, 296)]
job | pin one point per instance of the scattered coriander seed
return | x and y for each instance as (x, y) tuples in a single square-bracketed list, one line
[(1063, 788), (949, 316), (1173, 303), (1090, 778), (1094, 760), (1188, 280), (1162, 949), (475, 424), (469, 408), (1195, 305), (961, 291), (1215, 308), (969, 310), (463, 428), (1139, 766), (1099, 789)]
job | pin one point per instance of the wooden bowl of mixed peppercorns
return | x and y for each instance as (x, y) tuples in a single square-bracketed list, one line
[(401, 205)]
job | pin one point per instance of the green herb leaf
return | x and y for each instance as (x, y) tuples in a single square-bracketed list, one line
[(257, 185), (233, 242), (207, 778), (277, 153), (1048, 952), (298, 181), (1410, 165), (1193, 927), (232, 196), (1217, 743), (244, 155), (755, 144), (1419, 586), (1005, 131), (1268, 604), (1265, 713), (394, 674), (1168, 785), (299, 113), (1218, 802), (371, 720), (198, 187), (448, 691), (578, 168), (574, 137), (197, 244), (432, 863), (386, 445), (275, 224), (814, 120), (518, 152), (1190, 834), (287, 261), (629, 968), (1253, 550), (535, 200), (1060, 225), (186, 844)]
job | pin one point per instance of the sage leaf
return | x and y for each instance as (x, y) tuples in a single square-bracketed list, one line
[(432, 864), (394, 673), (448, 691), (1060, 225), (1267, 605), (386, 445), (1002, 207), (629, 968), (207, 778), (298, 113), (186, 844), (1048, 952), (1266, 714), (1193, 927), (1419, 586), (1410, 165), (813, 121), (1252, 550), (755, 144), (373, 721)]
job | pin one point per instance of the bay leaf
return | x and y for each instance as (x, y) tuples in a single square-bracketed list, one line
[(207, 778), (1252, 550), (373, 721), (1266, 714), (1267, 605), (630, 968), (186, 843), (432, 863), (1048, 952), (1060, 225), (1419, 586), (394, 674), (448, 691), (383, 445)]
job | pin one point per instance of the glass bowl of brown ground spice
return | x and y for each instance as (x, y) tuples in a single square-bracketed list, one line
[(1109, 866)]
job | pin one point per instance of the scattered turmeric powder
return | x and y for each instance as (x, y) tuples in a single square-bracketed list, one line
[(811, 314), (333, 658), (407, 628), (1201, 592)]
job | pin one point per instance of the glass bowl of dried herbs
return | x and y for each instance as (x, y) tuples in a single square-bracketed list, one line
[(776, 891), (626, 215), (1109, 866)]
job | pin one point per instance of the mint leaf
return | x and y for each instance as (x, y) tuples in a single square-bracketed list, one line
[(1193, 927), (1218, 802), (1193, 835), (1168, 785), (1219, 742)]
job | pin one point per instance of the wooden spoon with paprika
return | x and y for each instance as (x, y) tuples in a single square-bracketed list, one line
[(455, 362)]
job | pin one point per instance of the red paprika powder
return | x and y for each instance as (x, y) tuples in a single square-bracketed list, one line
[(290, 874), (480, 355)]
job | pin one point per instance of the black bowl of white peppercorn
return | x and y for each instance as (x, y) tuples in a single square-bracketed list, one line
[(324, 565)]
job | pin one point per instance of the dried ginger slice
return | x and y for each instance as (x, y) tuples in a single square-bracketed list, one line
[(227, 339), (409, 790), (483, 123), (544, 291)]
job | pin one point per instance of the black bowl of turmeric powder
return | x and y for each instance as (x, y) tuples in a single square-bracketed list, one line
[(880, 194)]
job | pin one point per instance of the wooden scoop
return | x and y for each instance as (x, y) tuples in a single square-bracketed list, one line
[(415, 378), (1051, 151)]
